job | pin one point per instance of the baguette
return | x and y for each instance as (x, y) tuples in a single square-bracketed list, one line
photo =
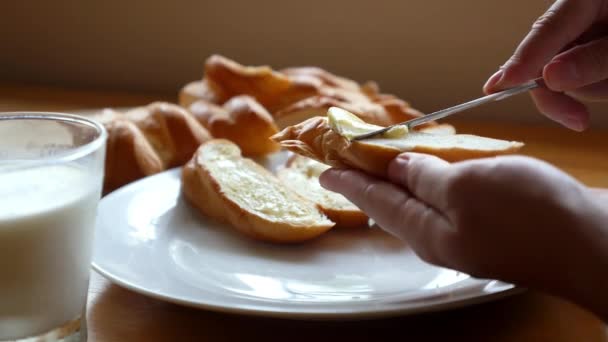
[(230, 188), (327, 79), (147, 140), (199, 90), (171, 130), (315, 138), (241, 120), (384, 113), (272, 89), (129, 155), (301, 174)]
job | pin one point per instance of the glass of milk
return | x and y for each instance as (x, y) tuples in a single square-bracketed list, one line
[(51, 173)]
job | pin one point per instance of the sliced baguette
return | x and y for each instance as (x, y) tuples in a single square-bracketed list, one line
[(225, 186), (301, 174), (314, 138)]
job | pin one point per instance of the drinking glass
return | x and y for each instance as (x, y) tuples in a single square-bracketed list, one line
[(51, 174)]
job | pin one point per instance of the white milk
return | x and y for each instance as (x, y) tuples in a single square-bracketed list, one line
[(47, 216)]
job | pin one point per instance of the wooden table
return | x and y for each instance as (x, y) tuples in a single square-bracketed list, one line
[(116, 314)]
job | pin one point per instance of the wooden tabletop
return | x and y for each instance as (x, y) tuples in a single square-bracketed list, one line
[(116, 314)]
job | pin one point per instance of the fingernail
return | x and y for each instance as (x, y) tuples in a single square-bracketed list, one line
[(561, 76), (493, 81)]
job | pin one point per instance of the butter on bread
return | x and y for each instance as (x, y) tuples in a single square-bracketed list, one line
[(241, 120), (230, 188), (314, 138), (301, 174)]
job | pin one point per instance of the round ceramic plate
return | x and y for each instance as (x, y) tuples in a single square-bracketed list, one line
[(151, 241)]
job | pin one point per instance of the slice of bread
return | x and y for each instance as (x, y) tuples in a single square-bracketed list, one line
[(314, 138), (228, 187), (302, 175)]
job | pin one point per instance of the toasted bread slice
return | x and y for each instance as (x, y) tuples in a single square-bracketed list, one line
[(315, 138), (224, 185), (302, 175), (241, 120)]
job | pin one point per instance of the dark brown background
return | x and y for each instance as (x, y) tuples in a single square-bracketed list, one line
[(435, 53)]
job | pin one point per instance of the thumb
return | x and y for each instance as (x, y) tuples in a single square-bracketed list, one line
[(425, 176)]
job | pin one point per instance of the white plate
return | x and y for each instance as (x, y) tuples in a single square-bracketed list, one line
[(151, 241)]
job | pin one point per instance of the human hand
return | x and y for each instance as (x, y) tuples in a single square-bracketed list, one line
[(568, 46), (515, 219)]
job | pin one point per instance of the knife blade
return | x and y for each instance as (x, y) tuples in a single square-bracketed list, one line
[(501, 95)]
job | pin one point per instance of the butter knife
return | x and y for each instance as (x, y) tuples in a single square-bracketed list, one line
[(501, 95)]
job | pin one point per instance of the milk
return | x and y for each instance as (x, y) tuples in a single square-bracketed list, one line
[(47, 216)]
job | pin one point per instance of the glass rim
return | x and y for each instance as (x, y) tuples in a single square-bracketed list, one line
[(75, 152)]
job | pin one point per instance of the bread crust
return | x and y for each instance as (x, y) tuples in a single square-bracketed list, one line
[(206, 193), (315, 139), (129, 156), (199, 90), (272, 89), (171, 130)]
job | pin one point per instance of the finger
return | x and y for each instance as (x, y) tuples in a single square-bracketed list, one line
[(393, 209), (562, 109), (593, 92), (424, 176), (563, 22), (578, 67)]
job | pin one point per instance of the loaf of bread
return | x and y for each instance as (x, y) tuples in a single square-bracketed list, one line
[(228, 187), (301, 174), (129, 155), (171, 130), (272, 89), (383, 113), (295, 94), (241, 120), (147, 140), (199, 90), (315, 138)]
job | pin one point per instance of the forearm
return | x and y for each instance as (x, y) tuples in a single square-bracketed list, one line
[(588, 285)]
